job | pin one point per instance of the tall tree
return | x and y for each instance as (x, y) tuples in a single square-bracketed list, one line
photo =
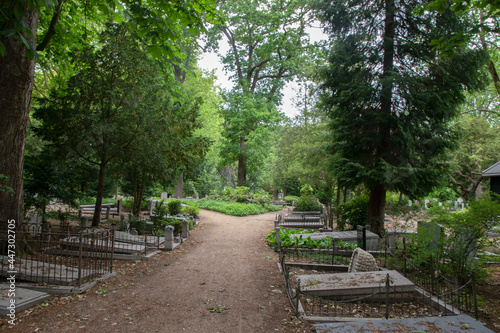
[(390, 95), (267, 42), (100, 111), (158, 21)]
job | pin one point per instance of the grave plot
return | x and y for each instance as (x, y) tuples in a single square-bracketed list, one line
[(40, 258), (353, 284), (372, 239)]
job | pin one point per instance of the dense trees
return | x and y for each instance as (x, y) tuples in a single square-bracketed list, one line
[(158, 22), (391, 97)]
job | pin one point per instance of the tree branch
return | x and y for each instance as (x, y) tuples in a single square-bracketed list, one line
[(51, 31)]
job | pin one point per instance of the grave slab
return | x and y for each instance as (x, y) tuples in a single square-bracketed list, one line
[(24, 298), (357, 283), (449, 324), (38, 271)]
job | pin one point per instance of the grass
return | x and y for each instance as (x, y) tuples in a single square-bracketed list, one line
[(235, 208)]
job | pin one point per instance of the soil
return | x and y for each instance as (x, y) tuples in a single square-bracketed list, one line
[(222, 279)]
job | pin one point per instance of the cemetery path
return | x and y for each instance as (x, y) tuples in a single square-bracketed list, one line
[(222, 279)]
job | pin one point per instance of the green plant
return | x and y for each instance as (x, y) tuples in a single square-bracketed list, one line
[(235, 208), (307, 204), (354, 212), (190, 210), (139, 225), (160, 208), (160, 224), (290, 199), (174, 207), (306, 190)]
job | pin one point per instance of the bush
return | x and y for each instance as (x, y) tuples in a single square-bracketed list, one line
[(161, 223), (354, 212), (190, 210), (160, 208), (235, 208), (307, 204), (174, 207), (290, 199), (139, 225)]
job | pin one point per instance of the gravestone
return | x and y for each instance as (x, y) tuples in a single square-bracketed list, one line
[(36, 220), (185, 229), (84, 222), (277, 235), (433, 231), (134, 232), (409, 203), (164, 195), (123, 224), (426, 202), (362, 261), (169, 237)]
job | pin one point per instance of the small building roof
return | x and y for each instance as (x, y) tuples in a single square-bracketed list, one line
[(492, 171)]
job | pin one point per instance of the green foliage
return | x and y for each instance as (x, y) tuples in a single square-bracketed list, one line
[(353, 213), (174, 207), (160, 208), (235, 208), (307, 204), (465, 233), (242, 194), (190, 210), (306, 190), (303, 241), (139, 225), (160, 224), (290, 199)]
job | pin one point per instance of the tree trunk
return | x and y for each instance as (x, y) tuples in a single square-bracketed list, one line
[(376, 209), (100, 193), (16, 82), (179, 189), (242, 163)]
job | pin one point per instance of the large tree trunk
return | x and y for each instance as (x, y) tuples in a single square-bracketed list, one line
[(376, 209), (16, 82), (242, 163), (100, 193), (179, 188)]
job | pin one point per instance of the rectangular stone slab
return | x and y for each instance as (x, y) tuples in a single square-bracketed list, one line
[(100, 245), (357, 283), (449, 324), (24, 298)]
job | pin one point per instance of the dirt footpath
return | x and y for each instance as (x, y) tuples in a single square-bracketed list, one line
[(223, 279)]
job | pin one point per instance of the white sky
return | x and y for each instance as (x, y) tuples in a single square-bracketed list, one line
[(210, 61)]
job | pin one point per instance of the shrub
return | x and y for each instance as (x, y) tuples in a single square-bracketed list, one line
[(306, 190), (354, 212), (307, 204), (190, 210), (160, 208), (174, 207), (161, 223), (235, 208), (139, 225), (290, 199)]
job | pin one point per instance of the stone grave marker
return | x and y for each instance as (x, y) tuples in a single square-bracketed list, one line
[(432, 230)]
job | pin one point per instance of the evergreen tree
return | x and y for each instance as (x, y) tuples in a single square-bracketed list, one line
[(391, 96)]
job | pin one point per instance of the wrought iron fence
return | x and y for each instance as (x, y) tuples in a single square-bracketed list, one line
[(63, 256), (435, 295)]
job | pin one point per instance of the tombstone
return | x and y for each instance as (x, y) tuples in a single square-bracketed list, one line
[(151, 205), (362, 261), (108, 209), (84, 222), (426, 202), (185, 229), (433, 231), (455, 205), (164, 195), (119, 206), (461, 201), (409, 203), (130, 216), (169, 237), (133, 232), (36, 221), (123, 225)]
